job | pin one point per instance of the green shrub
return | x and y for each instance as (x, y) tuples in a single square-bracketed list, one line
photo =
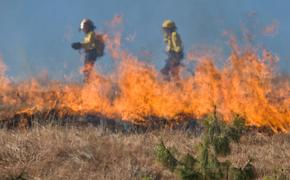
[(216, 140), (188, 174), (22, 176), (237, 128), (164, 156), (278, 175), (245, 173), (186, 168), (146, 178), (188, 161), (221, 145), (249, 171), (236, 174)]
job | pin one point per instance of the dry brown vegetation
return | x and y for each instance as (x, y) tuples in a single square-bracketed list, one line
[(59, 152)]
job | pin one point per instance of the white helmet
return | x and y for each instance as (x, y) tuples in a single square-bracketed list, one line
[(87, 22)]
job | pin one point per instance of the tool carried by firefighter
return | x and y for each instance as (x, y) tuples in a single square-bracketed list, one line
[(93, 46), (174, 50)]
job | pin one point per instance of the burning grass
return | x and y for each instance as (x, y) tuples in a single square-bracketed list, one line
[(135, 96), (131, 108), (247, 85)]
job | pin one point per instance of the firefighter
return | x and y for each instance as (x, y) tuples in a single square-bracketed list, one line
[(174, 50), (92, 46)]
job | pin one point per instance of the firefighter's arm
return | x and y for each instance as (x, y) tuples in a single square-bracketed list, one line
[(88, 41), (76, 45), (176, 41)]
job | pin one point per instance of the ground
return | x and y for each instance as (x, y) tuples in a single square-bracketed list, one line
[(88, 152)]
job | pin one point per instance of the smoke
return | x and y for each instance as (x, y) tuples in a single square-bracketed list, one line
[(247, 84), (4, 81)]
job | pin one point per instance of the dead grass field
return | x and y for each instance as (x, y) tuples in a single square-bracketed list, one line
[(58, 152)]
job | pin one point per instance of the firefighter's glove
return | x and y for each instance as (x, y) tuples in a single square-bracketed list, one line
[(76, 45)]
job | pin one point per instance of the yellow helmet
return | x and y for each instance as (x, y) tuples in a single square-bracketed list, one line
[(168, 24)]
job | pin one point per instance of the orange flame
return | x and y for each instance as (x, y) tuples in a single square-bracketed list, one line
[(271, 29), (246, 85)]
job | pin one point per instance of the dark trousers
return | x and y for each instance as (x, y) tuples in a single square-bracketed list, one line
[(172, 66), (90, 59)]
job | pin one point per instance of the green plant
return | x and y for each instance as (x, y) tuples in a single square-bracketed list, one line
[(246, 172), (186, 168), (279, 174), (216, 140), (146, 178), (22, 176), (164, 156)]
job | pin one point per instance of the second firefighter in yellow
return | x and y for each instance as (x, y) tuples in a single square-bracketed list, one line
[(174, 50)]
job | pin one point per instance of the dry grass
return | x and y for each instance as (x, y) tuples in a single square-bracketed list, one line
[(54, 152)]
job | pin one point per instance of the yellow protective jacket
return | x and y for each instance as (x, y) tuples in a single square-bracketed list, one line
[(89, 41), (173, 42)]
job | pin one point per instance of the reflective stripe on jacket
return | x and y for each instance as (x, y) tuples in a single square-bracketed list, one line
[(173, 42), (89, 41)]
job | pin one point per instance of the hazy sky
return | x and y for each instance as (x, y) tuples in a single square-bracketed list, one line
[(36, 35)]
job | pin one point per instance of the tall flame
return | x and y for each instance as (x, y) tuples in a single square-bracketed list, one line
[(246, 85)]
